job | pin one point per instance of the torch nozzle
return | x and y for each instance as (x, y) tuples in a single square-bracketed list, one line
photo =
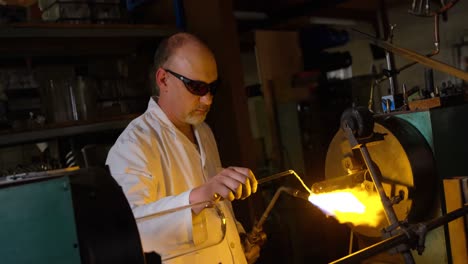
[(338, 183)]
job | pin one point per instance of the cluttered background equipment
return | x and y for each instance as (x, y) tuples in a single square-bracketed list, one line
[(354, 169), (405, 173), (67, 216), (417, 147), (381, 180)]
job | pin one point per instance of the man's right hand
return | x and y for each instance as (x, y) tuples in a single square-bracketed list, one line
[(230, 183)]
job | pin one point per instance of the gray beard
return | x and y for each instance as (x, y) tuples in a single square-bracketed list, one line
[(195, 119)]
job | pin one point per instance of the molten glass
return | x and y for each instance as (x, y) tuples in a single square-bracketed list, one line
[(355, 206)]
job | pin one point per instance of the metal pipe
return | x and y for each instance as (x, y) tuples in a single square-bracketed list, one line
[(433, 53), (436, 45), (431, 63), (35, 175), (433, 224), (210, 204), (379, 247), (73, 102), (350, 245), (420, 6), (270, 206), (342, 182), (390, 67), (206, 204), (282, 174), (436, 35), (413, 6), (414, 56), (288, 190), (414, 234), (428, 13), (275, 176), (256, 236), (446, 7), (390, 59), (387, 204)]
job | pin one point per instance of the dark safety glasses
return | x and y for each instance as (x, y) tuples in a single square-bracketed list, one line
[(196, 87)]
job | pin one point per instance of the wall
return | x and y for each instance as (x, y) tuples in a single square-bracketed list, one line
[(249, 66), (279, 57), (414, 33), (417, 34)]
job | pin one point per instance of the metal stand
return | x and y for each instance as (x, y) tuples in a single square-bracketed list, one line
[(414, 236), (351, 121)]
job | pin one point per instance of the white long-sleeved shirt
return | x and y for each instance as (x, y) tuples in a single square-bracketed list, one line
[(157, 167)]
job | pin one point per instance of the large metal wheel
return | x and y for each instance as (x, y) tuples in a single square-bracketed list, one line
[(405, 161)]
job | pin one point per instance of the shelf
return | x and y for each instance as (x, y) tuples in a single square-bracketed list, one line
[(12, 137), (80, 40), (63, 30)]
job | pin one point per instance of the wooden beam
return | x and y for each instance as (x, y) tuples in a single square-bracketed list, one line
[(214, 22)]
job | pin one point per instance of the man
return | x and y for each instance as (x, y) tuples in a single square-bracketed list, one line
[(168, 158)]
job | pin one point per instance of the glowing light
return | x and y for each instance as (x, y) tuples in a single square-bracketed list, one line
[(355, 206)]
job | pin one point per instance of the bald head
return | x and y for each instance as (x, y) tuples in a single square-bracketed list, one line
[(183, 64), (170, 47)]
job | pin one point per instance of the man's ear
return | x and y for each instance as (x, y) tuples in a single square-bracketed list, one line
[(160, 78)]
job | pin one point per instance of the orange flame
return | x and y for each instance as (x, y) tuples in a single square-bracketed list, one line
[(355, 206)]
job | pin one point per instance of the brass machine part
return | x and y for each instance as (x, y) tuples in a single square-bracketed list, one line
[(338, 183), (361, 179), (405, 162), (348, 126)]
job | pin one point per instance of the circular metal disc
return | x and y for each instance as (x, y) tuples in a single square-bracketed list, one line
[(405, 161)]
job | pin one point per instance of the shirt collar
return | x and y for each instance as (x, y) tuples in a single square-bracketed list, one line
[(155, 109)]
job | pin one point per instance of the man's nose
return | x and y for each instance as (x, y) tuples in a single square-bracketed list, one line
[(206, 99)]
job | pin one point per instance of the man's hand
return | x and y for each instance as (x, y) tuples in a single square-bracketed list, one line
[(230, 183)]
